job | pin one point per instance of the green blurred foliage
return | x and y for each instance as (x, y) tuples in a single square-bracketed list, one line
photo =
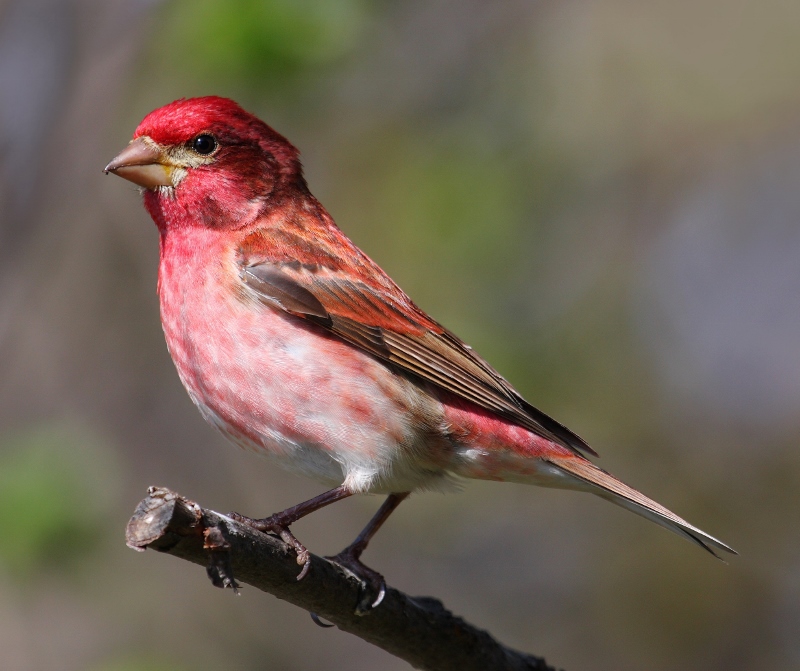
[(257, 43), (54, 495), (437, 196)]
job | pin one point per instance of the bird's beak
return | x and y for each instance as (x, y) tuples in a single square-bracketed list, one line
[(142, 162)]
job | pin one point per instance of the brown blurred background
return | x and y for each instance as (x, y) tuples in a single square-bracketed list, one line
[(602, 198)]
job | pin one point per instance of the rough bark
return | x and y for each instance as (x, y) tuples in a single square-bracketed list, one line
[(419, 630)]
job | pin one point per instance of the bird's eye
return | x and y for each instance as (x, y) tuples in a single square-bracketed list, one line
[(204, 144)]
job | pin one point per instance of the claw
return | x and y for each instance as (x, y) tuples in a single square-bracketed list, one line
[(278, 524), (364, 605), (381, 594), (318, 621), (373, 585), (306, 565), (273, 525)]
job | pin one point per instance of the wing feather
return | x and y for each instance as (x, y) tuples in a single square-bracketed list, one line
[(376, 316)]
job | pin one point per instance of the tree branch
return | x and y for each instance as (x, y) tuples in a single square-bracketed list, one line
[(419, 630)]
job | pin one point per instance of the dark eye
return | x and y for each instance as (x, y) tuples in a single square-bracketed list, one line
[(204, 144)]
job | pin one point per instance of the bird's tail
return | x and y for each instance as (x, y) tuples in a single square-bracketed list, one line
[(599, 482)]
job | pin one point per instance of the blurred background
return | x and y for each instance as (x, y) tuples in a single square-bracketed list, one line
[(602, 198)]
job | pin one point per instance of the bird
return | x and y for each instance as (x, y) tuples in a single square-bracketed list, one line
[(297, 346)]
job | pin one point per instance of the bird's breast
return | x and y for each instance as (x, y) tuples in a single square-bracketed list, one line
[(281, 386)]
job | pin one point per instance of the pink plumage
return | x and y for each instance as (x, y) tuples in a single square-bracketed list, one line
[(296, 345)]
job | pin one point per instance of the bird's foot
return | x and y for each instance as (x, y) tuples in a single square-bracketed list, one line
[(373, 586), (278, 526)]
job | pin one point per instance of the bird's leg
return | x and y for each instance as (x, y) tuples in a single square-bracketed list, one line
[(374, 584), (279, 523)]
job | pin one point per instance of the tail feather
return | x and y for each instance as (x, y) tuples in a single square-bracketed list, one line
[(606, 485)]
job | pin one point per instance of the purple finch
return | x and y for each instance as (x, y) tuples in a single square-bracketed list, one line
[(297, 346)]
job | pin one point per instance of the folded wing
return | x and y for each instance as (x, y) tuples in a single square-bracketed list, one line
[(374, 314)]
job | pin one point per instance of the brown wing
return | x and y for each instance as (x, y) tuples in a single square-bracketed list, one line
[(376, 316)]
